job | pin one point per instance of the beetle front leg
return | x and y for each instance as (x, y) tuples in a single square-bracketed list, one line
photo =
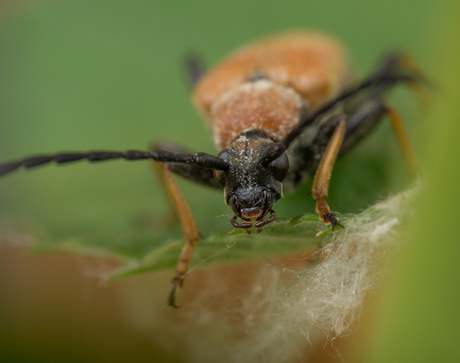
[(188, 225), (324, 171)]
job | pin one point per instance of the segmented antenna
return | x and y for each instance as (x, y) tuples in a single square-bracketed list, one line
[(200, 159), (306, 119)]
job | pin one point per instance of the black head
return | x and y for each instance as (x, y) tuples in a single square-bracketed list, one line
[(251, 189)]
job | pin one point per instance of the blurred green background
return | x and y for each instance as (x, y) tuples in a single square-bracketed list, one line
[(85, 75), (82, 75)]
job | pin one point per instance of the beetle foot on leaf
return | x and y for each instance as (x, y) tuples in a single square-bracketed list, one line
[(332, 219)]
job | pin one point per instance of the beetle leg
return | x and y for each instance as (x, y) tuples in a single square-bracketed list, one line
[(188, 171), (179, 209), (403, 139), (194, 67), (170, 218), (324, 171), (365, 118), (406, 62), (188, 225)]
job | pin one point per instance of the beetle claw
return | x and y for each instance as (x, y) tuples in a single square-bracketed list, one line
[(332, 219)]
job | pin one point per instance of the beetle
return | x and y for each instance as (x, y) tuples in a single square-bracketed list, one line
[(281, 110)]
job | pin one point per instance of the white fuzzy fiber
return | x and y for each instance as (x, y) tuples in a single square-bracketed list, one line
[(288, 309)]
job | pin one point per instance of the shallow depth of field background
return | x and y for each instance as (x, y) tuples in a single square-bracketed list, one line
[(107, 75), (99, 74)]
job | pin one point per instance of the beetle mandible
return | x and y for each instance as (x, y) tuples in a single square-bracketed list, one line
[(280, 110)]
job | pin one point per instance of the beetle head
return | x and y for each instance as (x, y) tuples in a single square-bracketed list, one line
[(250, 188)]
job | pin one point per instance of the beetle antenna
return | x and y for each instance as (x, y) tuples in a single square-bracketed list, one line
[(202, 160), (308, 118)]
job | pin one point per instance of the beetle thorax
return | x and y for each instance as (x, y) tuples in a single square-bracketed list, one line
[(260, 105), (244, 155)]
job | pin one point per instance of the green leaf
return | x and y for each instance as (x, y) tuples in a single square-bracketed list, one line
[(275, 240)]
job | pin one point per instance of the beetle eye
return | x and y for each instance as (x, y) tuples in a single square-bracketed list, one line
[(280, 167)]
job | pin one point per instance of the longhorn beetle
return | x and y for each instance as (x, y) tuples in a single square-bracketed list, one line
[(280, 110)]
